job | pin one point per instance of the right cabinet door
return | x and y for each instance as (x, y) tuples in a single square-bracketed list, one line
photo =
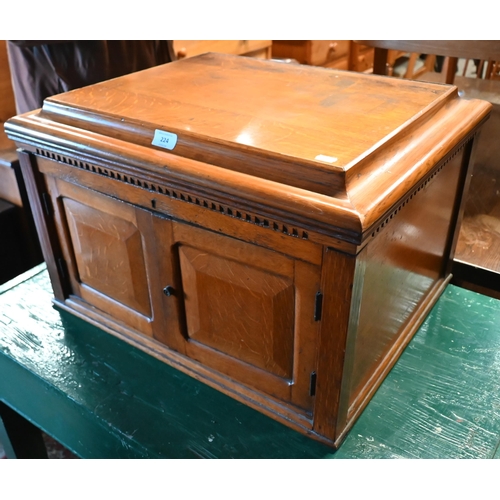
[(247, 311)]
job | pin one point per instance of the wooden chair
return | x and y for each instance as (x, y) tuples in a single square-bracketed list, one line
[(488, 50), (477, 260), (493, 70)]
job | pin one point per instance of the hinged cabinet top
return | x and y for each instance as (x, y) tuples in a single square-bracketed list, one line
[(292, 112)]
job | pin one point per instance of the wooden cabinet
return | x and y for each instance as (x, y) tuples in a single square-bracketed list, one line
[(331, 53), (280, 235), (338, 54), (360, 57), (253, 48), (233, 306)]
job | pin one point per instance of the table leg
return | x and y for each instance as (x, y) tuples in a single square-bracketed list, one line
[(19, 437), (380, 61)]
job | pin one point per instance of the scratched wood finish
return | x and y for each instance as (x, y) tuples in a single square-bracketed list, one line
[(288, 280), (262, 134)]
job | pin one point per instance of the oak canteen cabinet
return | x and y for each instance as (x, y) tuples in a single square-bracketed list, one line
[(276, 231)]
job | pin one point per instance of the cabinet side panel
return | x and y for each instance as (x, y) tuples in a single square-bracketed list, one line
[(45, 225), (405, 262)]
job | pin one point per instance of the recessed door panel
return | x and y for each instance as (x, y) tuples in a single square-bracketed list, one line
[(109, 255), (238, 309), (107, 251), (248, 312)]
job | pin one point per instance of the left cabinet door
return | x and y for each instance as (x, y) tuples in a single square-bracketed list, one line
[(110, 254)]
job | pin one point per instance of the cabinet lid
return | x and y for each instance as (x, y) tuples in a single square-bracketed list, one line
[(296, 117), (329, 132)]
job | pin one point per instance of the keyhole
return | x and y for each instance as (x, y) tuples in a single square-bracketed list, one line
[(168, 290)]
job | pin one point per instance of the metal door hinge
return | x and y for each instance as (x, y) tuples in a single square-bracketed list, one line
[(63, 270), (47, 205), (312, 384), (318, 306)]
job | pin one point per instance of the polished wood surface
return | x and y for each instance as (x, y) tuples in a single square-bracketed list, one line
[(282, 131), (287, 279), (282, 127), (405, 264)]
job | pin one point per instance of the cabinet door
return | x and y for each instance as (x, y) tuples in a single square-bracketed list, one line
[(248, 311), (110, 255)]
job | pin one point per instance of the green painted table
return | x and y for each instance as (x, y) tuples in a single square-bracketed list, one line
[(102, 398)]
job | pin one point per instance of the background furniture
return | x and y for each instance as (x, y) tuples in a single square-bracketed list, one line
[(337, 54), (252, 48), (486, 50), (19, 246), (103, 398), (329, 53), (477, 259)]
